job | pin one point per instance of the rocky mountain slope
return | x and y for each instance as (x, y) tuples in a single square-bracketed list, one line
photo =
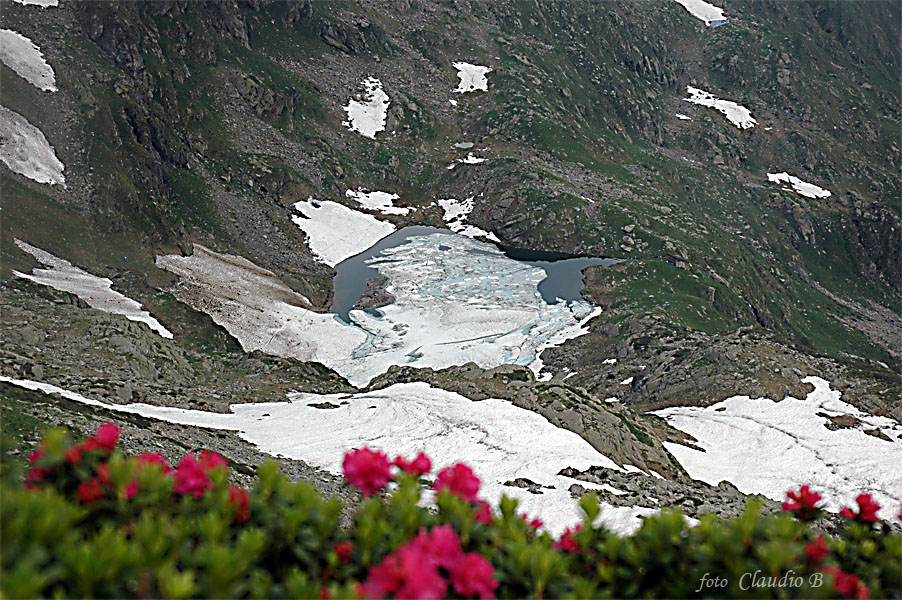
[(205, 122)]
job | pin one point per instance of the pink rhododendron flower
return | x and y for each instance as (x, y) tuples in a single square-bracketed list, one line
[(212, 460), (568, 543), (367, 470), (406, 573), (74, 454), (817, 551), (153, 458), (239, 498), (847, 584), (34, 476), (459, 480), (36, 455), (867, 510), (90, 490), (106, 437), (483, 512), (534, 523), (131, 489), (191, 477), (473, 575), (416, 467), (442, 545), (803, 503), (344, 550)]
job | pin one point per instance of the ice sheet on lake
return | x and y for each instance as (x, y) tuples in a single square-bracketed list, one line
[(96, 291), (456, 300), (22, 56), (704, 11), (767, 447), (498, 440), (736, 114), (472, 77), (336, 232), (809, 190), (378, 201), (26, 151), (367, 117)]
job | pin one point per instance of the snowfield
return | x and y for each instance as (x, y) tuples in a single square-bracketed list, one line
[(736, 114), (472, 77), (22, 56), (456, 300), (368, 117), (25, 150), (500, 441), (702, 10), (257, 309), (336, 232), (96, 291), (767, 447), (809, 190), (382, 202)]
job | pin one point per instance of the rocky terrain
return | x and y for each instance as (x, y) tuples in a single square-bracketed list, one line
[(205, 122)]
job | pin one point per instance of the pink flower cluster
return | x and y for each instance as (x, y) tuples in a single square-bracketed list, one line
[(427, 565), (803, 503), (867, 510), (191, 477)]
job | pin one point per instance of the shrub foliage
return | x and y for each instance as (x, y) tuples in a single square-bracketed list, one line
[(89, 521)]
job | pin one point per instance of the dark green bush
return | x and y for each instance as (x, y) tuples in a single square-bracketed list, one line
[(91, 522)]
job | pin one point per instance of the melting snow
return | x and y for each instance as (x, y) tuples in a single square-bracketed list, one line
[(627, 381), (41, 3), (767, 447), (736, 114), (497, 439), (368, 117), (26, 151), (809, 190), (456, 212), (336, 232), (609, 361), (378, 201), (96, 291), (704, 11), (22, 56), (456, 300), (683, 117), (463, 145), (472, 77)]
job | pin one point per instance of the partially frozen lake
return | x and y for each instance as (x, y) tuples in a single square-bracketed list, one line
[(563, 280)]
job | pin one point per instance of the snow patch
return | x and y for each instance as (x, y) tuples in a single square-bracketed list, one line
[(609, 361), (456, 212), (736, 114), (472, 77), (25, 150), (497, 439), (768, 447), (96, 291), (627, 381), (809, 190), (336, 232), (703, 11), (41, 3), (379, 201), (22, 56), (367, 117), (683, 117)]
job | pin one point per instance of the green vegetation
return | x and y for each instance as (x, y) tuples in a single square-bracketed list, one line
[(93, 522)]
